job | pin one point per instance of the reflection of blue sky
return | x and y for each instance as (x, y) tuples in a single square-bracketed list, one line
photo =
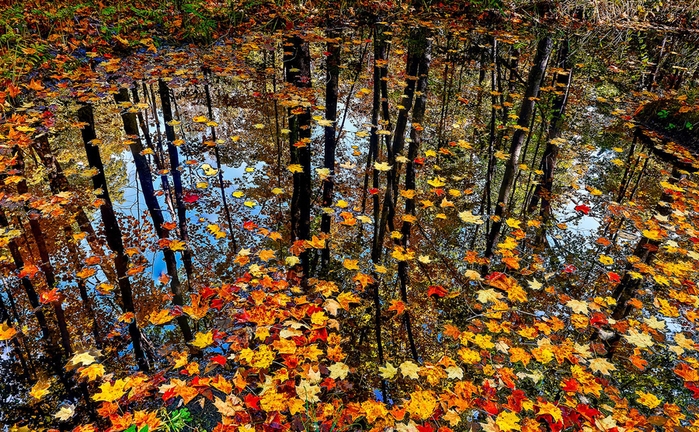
[(134, 205)]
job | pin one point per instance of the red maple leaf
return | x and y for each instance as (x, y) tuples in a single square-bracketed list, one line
[(598, 319), (694, 389), (319, 334), (436, 290), (219, 359), (425, 428), (190, 197), (570, 385), (569, 268), (252, 401), (582, 208)]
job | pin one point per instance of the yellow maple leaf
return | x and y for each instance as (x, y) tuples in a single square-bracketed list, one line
[(501, 155), (601, 365), (338, 370), (179, 359), (92, 372), (40, 389), (534, 285), (647, 399), (469, 356), (323, 173), (308, 392), (509, 243), (388, 371), (513, 223), (422, 404), (507, 421), (409, 370), (161, 317), (453, 417), (484, 341), (272, 401), (351, 264), (401, 254), (266, 255), (295, 168), (315, 243), (653, 234), (65, 412), (203, 340), (347, 298), (374, 410), (110, 392), (409, 194), (578, 306), (552, 410), (436, 182), (382, 166), (641, 340), (488, 295), (209, 171), (178, 245), (84, 358)]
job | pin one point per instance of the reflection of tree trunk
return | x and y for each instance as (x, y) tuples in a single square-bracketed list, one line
[(423, 54), (55, 359), (157, 153), (217, 154), (629, 170), (20, 322), (659, 62), (645, 251), (59, 183), (415, 50), (511, 86), (146, 180), (17, 347), (447, 84), (75, 257), (45, 264), (333, 72), (176, 177), (380, 53), (297, 63), (544, 189), (112, 229), (526, 111), (487, 192)]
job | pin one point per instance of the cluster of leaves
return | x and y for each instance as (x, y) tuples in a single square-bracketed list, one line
[(535, 343)]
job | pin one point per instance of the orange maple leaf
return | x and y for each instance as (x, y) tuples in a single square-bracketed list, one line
[(49, 296), (398, 306)]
